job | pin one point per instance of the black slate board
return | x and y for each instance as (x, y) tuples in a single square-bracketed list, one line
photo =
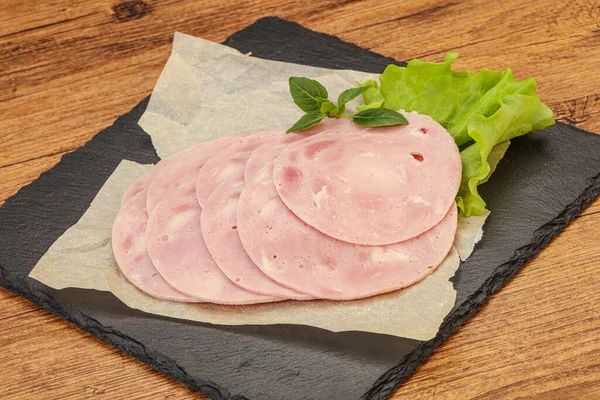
[(544, 181)]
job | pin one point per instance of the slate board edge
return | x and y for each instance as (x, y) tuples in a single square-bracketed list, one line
[(38, 294), (392, 379), (291, 24)]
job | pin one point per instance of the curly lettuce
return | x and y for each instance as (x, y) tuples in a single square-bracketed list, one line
[(479, 109)]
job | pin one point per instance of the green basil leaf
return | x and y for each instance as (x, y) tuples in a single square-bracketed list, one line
[(327, 106), (351, 94), (307, 121), (308, 94), (379, 117)]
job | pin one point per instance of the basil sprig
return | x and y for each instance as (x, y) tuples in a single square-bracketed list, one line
[(307, 121), (312, 98)]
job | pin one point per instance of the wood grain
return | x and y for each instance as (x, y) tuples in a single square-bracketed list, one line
[(94, 60), (50, 359)]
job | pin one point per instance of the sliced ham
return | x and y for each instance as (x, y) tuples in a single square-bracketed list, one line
[(147, 179), (177, 249), (223, 242), (220, 232), (371, 186), (298, 256), (183, 167), (230, 163), (131, 254), (219, 216), (268, 152)]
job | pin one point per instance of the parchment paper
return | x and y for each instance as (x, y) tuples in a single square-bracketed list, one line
[(82, 257), (206, 91)]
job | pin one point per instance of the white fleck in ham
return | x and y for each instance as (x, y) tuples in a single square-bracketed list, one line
[(319, 195)]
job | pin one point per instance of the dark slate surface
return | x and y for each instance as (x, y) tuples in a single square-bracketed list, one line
[(544, 181)]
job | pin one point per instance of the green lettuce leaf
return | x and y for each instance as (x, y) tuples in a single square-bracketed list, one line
[(479, 109), (373, 97)]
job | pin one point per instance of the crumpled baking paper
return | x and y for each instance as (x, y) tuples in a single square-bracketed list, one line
[(206, 91)]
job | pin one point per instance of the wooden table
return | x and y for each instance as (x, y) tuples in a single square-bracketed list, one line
[(68, 68)]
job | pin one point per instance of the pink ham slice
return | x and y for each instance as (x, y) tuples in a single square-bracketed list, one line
[(183, 167), (298, 256), (229, 164), (232, 161), (222, 240), (268, 152), (131, 254), (177, 249), (371, 186), (145, 181), (220, 207)]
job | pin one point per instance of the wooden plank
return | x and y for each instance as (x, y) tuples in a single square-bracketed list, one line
[(44, 357), (14, 177), (85, 61), (68, 68), (538, 336)]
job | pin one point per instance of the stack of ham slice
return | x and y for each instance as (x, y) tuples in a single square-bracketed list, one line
[(339, 212)]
